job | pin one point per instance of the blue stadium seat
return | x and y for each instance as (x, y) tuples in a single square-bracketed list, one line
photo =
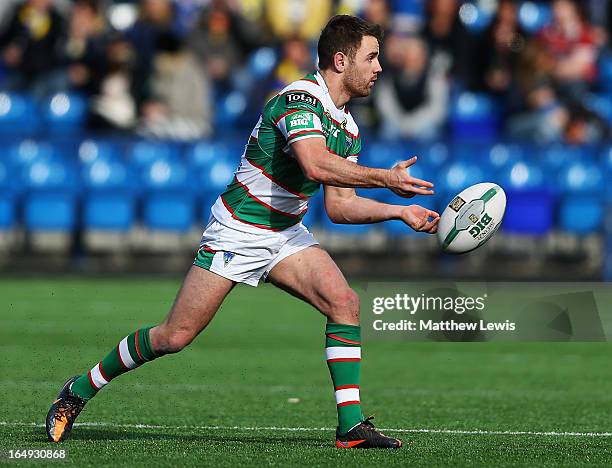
[(91, 151), (606, 165), (434, 155), (19, 115), (64, 114), (108, 175), (522, 175), (385, 155), (109, 199), (601, 104), (348, 229), (169, 199), (581, 209), (500, 156), (204, 154), (475, 18), (50, 211), (530, 203), (108, 211), (555, 158), (261, 62), (316, 211), (474, 116), (581, 214), (25, 152), (9, 185), (408, 7), (533, 16), (529, 212), (50, 200), (229, 109), (50, 174), (210, 182), (146, 152), (169, 212), (605, 71), (8, 212), (458, 176), (583, 177), (215, 178)]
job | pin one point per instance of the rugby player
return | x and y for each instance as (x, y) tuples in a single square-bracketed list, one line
[(305, 137)]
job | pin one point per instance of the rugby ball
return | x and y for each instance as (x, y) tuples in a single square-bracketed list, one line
[(471, 218)]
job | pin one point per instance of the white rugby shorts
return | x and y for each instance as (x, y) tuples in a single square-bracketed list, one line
[(247, 256)]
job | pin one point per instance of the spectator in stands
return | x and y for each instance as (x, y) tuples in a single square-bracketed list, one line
[(115, 107), (155, 24), (545, 118), (571, 43), (412, 97), (600, 18), (295, 62), (304, 19), (85, 46), (378, 12), (222, 38), (180, 106), (31, 46), (447, 35), (498, 55), (584, 126)]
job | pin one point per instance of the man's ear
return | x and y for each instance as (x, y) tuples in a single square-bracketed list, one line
[(340, 61)]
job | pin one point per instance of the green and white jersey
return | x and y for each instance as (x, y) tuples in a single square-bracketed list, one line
[(269, 189)]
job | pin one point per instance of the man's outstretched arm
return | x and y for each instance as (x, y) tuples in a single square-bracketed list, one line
[(343, 206), (321, 166)]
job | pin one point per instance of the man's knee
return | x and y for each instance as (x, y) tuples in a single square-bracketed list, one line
[(166, 340), (344, 307)]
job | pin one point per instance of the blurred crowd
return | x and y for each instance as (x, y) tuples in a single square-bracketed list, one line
[(186, 69)]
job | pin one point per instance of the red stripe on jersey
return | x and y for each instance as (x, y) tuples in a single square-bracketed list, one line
[(280, 184), (342, 127), (231, 211), (262, 203), (329, 150), (301, 132), (292, 111)]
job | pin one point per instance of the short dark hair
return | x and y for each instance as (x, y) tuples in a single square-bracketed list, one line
[(343, 33)]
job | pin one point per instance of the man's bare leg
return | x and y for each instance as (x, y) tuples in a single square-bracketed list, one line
[(195, 306), (312, 275), (197, 302)]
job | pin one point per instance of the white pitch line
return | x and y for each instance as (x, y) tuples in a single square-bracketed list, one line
[(319, 429)]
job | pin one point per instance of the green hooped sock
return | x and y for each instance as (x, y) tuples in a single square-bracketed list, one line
[(343, 353), (131, 352)]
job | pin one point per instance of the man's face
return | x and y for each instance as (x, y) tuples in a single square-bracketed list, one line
[(363, 70)]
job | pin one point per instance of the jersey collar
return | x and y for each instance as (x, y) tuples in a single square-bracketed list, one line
[(339, 112)]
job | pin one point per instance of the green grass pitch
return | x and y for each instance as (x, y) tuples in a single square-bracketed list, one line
[(225, 400)]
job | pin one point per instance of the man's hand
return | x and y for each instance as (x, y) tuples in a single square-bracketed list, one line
[(418, 218), (403, 184)]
